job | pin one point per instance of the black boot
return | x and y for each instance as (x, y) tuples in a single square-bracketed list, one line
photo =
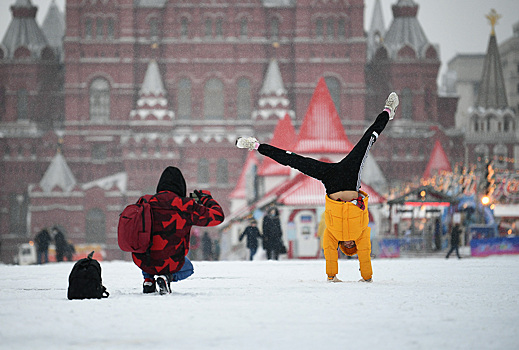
[(163, 283), (149, 286)]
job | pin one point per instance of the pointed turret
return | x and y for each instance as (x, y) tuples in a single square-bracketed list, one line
[(58, 174), (152, 103), (437, 162), (23, 31), (377, 29), (322, 130), (492, 92), (54, 28), (273, 100)]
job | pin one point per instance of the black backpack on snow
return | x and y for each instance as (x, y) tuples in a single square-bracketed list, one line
[(85, 281)]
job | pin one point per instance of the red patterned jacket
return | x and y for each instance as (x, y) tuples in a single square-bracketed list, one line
[(173, 217)]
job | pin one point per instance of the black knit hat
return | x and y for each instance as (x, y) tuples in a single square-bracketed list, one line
[(172, 180)]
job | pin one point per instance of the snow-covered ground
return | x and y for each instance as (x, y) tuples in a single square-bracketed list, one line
[(428, 303)]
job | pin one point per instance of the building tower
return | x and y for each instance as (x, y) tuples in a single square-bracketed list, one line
[(492, 131)]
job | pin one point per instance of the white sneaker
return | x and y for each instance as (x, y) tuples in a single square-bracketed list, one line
[(246, 142), (392, 103), (334, 279)]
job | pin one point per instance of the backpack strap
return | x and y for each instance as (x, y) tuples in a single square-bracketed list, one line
[(105, 293), (148, 251)]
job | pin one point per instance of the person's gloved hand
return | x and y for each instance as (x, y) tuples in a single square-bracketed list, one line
[(368, 281), (203, 195), (333, 279)]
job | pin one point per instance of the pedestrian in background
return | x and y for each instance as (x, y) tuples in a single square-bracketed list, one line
[(253, 235), (455, 241)]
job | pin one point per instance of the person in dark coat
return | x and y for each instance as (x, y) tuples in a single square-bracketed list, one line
[(61, 244), (173, 216), (207, 246), (42, 241), (455, 241), (253, 234), (70, 251), (272, 234)]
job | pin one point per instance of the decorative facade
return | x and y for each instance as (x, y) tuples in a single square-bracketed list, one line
[(129, 87)]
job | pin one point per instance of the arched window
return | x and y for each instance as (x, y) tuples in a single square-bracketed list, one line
[(475, 124), (154, 27), (244, 27), (342, 28), (509, 124), (184, 27), (243, 100), (99, 100), (213, 99), (218, 28), (500, 156), (88, 28), (319, 28), (407, 104), (110, 28), (184, 99), (95, 226), (274, 27), (208, 28), (329, 28), (222, 172), (22, 104), (203, 171), (334, 86), (99, 28)]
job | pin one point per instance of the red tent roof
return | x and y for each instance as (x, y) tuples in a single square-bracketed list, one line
[(322, 131), (284, 137), (241, 186), (438, 161)]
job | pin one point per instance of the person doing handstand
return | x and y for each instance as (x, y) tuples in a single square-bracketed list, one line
[(346, 206)]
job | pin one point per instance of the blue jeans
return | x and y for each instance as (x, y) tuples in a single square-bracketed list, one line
[(42, 254), (186, 271), (253, 251)]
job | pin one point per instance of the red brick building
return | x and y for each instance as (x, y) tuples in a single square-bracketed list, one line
[(137, 85)]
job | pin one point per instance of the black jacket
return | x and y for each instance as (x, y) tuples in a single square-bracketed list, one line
[(252, 234), (455, 236), (272, 232)]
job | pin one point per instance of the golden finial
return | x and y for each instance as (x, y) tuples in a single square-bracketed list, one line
[(493, 17)]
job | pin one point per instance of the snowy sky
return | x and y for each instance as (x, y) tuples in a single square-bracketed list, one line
[(457, 26)]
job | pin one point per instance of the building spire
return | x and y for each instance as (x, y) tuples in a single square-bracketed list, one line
[(376, 30), (493, 17), (152, 103), (492, 91), (273, 99)]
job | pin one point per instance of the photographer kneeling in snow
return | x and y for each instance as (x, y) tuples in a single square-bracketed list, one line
[(173, 216)]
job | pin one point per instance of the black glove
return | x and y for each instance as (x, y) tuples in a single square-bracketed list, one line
[(203, 196)]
